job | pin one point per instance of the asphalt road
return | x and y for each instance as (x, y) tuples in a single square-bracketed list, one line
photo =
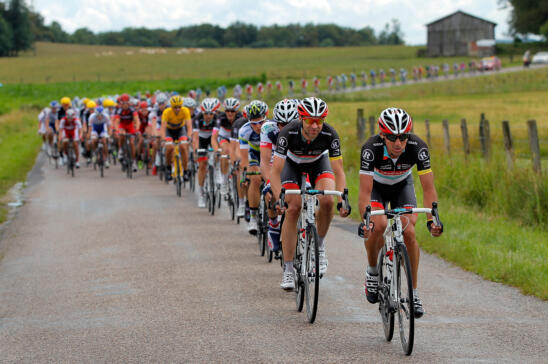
[(120, 271)]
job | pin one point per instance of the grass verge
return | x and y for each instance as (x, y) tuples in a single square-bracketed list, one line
[(19, 146)]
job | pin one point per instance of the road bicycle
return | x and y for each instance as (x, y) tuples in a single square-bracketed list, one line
[(126, 160), (232, 200), (306, 259), (99, 160), (71, 157), (209, 183), (395, 289), (177, 168)]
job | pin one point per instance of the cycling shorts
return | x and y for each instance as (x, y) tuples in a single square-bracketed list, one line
[(400, 195), (254, 157), (52, 126), (99, 130), (129, 128), (203, 143), (71, 134), (176, 134), (292, 172)]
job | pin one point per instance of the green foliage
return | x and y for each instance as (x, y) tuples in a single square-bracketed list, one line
[(6, 36), (527, 16), (393, 35), (17, 16)]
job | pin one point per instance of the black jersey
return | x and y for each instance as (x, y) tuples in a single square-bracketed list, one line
[(225, 125), (292, 144), (376, 162), (205, 130), (236, 125)]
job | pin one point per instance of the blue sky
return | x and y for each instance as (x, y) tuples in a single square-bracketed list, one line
[(102, 15)]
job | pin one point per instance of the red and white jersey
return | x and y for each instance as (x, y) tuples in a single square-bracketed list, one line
[(73, 124)]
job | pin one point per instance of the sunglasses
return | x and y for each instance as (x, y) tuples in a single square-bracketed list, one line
[(230, 110), (401, 137), (311, 121), (258, 121)]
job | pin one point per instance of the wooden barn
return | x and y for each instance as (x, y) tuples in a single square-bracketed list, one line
[(458, 34)]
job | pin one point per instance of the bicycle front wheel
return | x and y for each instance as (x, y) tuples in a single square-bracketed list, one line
[(312, 272), (297, 263), (211, 191), (387, 313), (406, 309)]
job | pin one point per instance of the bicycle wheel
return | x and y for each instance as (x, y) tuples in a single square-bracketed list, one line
[(387, 314), (210, 176), (101, 164), (406, 317), (260, 227), (311, 272), (297, 260), (177, 166), (267, 250)]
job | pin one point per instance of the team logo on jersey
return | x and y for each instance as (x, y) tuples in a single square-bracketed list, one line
[(423, 155), (335, 144), (282, 142), (368, 155)]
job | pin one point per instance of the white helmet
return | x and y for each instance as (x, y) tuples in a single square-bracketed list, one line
[(161, 98), (70, 114), (210, 105), (231, 103), (395, 121), (313, 107), (285, 111), (189, 102)]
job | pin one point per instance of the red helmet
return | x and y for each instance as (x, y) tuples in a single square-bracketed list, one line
[(313, 107), (124, 98), (143, 105), (395, 121)]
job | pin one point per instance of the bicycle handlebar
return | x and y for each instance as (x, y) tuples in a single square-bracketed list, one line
[(313, 192), (400, 211)]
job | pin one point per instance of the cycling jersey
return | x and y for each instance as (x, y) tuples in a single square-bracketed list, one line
[(70, 128), (175, 121), (269, 134), (291, 143), (47, 117), (205, 130), (250, 141), (125, 115), (376, 162), (144, 120), (236, 125), (99, 119), (225, 125)]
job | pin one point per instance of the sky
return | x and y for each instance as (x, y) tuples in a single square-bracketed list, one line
[(104, 15)]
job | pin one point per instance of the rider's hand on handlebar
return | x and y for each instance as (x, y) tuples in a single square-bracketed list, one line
[(435, 230)]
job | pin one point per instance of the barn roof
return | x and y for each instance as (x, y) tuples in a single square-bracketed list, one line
[(462, 12)]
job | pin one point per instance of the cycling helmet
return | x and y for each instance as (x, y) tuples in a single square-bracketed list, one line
[(231, 104), (91, 104), (124, 98), (85, 101), (189, 102), (257, 109), (285, 111), (99, 109), (395, 121), (245, 111), (71, 114), (192, 94), (65, 101), (210, 105), (161, 98), (143, 105), (175, 101), (54, 104), (313, 107), (108, 103)]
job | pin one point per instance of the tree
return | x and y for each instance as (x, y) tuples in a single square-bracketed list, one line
[(17, 16), (5, 37), (83, 36), (57, 33), (240, 34), (392, 36), (528, 16)]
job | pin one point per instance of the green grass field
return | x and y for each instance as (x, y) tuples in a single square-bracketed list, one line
[(67, 63), (496, 219)]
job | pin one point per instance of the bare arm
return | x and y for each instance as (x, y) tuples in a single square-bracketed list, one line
[(429, 190), (275, 176), (266, 154), (364, 197), (340, 177)]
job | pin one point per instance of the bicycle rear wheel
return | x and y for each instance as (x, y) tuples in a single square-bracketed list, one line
[(387, 314), (405, 309), (211, 190), (177, 179), (260, 227), (312, 272)]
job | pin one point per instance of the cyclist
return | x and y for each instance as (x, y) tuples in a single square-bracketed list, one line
[(285, 112), (174, 120), (385, 176), (88, 109), (71, 130), (235, 147), (47, 118), (204, 125), (127, 124), (99, 123), (307, 146), (221, 137), (146, 123), (250, 140), (156, 115)]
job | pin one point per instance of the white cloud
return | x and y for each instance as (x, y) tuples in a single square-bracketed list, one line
[(103, 15)]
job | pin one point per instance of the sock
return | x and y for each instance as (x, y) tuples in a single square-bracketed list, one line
[(372, 270), (253, 213), (321, 242), (288, 266), (202, 190), (415, 292), (242, 201), (157, 162)]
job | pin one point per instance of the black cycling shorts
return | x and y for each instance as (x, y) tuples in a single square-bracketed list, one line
[(400, 195), (292, 172), (203, 143), (176, 134)]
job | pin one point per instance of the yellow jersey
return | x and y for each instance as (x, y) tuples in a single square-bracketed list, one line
[(175, 121)]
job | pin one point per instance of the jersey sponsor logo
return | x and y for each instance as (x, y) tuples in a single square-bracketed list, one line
[(423, 155), (378, 144), (282, 142), (412, 142), (365, 165), (368, 155), (335, 144)]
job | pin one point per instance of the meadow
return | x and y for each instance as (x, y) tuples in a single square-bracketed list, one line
[(496, 219), (52, 63)]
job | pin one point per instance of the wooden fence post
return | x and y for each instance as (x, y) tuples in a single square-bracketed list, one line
[(428, 140), (360, 126), (533, 142), (371, 125), (446, 140), (465, 139), (485, 138), (508, 143)]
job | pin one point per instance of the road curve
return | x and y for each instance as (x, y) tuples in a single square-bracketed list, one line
[(119, 271)]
